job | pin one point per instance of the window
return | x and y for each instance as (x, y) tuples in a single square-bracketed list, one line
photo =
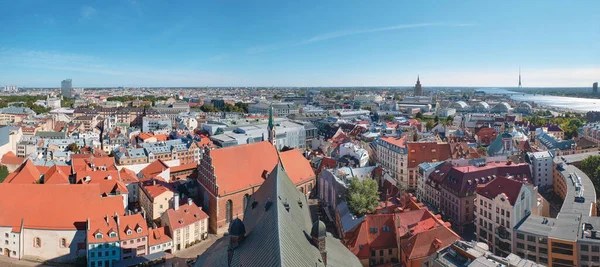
[(520, 245), (390, 251), (584, 248), (139, 230), (543, 250), (520, 236), (37, 242), (98, 235), (113, 234), (372, 253), (114, 252), (531, 238), (129, 232), (63, 243), (585, 258), (595, 249), (92, 254), (594, 258), (229, 211)]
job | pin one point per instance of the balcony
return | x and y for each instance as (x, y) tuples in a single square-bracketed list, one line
[(502, 233)]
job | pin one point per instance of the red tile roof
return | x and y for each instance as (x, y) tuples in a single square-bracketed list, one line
[(133, 223), (400, 142), (486, 135), (27, 173), (107, 180), (84, 162), (57, 175), (128, 176), (185, 215), (426, 243), (501, 185), (158, 236), (184, 167), (370, 235), (419, 152), (156, 187), (238, 167), (154, 168), (69, 208), (104, 225), (11, 159)]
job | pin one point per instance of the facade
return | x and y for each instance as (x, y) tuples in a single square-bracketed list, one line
[(156, 124), (392, 155), (186, 224), (501, 204), (66, 88), (188, 152), (280, 109), (289, 133), (420, 152), (103, 244), (159, 241), (463, 253), (133, 235), (229, 176), (156, 197), (541, 168)]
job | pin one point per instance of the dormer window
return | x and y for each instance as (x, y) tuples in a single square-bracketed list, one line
[(129, 232), (139, 230), (98, 235), (112, 234)]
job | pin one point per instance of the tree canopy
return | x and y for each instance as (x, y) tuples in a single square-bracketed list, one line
[(389, 118), (73, 147), (591, 167), (362, 197)]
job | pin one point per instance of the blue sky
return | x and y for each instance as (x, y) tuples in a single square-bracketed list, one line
[(299, 43)]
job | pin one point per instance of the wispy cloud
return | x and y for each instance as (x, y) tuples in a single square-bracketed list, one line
[(218, 57), (344, 33), (87, 12)]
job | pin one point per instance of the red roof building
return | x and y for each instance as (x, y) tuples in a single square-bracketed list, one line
[(232, 174)]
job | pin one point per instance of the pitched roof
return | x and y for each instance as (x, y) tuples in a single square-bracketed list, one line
[(128, 176), (30, 203), (277, 231), (465, 179), (251, 161), (156, 187), (154, 168), (158, 236), (400, 142), (104, 225), (57, 175), (185, 215), (370, 235), (184, 167), (84, 162), (27, 173), (132, 222), (419, 152), (501, 185), (107, 180), (11, 159), (425, 243)]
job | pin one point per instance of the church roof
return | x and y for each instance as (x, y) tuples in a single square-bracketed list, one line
[(278, 227)]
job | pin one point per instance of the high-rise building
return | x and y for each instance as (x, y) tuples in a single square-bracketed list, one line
[(418, 88), (66, 88), (595, 88)]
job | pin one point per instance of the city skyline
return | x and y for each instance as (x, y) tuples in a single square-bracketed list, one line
[(152, 44)]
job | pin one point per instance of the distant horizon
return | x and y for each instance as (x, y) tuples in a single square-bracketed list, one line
[(318, 87)]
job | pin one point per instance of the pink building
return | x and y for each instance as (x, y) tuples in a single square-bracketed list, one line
[(133, 233)]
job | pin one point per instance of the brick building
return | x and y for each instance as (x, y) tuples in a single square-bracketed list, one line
[(229, 176)]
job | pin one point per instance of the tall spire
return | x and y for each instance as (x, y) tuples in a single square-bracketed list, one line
[(519, 77), (271, 127)]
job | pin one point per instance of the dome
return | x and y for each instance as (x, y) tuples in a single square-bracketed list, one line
[(318, 229), (237, 228)]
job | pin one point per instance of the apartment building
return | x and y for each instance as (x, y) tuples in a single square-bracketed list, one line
[(186, 224), (156, 197), (392, 155), (419, 152), (541, 169)]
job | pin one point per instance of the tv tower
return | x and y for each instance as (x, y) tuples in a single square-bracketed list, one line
[(519, 77)]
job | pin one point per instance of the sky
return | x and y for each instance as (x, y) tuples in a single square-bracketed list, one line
[(299, 43)]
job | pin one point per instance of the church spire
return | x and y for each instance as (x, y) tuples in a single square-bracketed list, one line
[(271, 127)]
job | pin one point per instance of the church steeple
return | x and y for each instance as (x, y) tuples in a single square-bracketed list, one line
[(418, 88), (271, 127)]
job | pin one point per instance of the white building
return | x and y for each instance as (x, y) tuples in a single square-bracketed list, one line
[(280, 109), (500, 205), (392, 155), (187, 122), (352, 150), (541, 168), (156, 123), (368, 98)]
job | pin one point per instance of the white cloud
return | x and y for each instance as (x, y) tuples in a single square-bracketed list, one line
[(87, 12)]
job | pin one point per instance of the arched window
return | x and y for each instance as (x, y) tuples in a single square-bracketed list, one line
[(302, 189), (246, 200), (309, 188), (63, 243), (229, 211), (37, 242)]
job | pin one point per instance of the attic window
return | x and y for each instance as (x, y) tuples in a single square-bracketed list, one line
[(98, 235), (129, 232), (112, 234), (139, 230)]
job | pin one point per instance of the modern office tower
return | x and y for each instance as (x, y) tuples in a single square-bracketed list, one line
[(66, 88)]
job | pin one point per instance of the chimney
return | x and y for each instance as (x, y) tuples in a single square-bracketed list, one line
[(106, 219), (153, 181), (190, 201), (117, 218), (176, 201)]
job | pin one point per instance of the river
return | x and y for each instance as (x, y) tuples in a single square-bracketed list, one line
[(574, 103)]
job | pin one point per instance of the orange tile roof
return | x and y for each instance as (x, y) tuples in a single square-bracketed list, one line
[(400, 142), (27, 173), (133, 223), (184, 167), (158, 236), (107, 180), (363, 238), (156, 189), (104, 225), (419, 152), (250, 161), (11, 159), (161, 137), (69, 208), (185, 215), (145, 136), (57, 175), (128, 176), (83, 162), (154, 168), (426, 243)]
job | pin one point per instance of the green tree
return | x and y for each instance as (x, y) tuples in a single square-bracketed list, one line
[(243, 106), (73, 147), (389, 118), (209, 108), (419, 115), (591, 167), (3, 173), (436, 119), (429, 125), (362, 197)]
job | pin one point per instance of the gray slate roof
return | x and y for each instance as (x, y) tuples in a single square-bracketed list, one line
[(276, 236)]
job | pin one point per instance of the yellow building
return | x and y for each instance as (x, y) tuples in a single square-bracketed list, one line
[(156, 197)]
